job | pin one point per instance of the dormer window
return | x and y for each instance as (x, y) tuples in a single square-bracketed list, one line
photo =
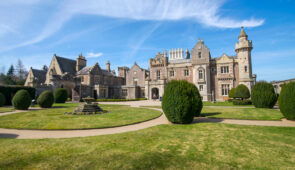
[(246, 69), (199, 54)]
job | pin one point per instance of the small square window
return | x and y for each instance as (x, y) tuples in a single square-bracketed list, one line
[(186, 72), (201, 87)]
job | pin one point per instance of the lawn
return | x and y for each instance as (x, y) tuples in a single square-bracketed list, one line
[(242, 113), (6, 109), (239, 113), (56, 119), (195, 146)]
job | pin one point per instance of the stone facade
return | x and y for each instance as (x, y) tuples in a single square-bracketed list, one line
[(279, 84), (214, 77)]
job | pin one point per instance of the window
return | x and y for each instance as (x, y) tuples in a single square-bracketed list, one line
[(82, 79), (200, 74), (246, 68), (171, 73), (224, 69), (186, 72), (124, 92), (201, 87), (135, 81), (199, 54), (224, 89), (158, 74)]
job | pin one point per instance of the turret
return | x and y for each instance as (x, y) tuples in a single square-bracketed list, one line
[(108, 66), (243, 49), (80, 63)]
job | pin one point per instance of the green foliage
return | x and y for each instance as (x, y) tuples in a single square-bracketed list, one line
[(2, 99), (46, 99), (287, 100), (21, 100), (242, 92), (119, 100), (241, 102), (181, 101), (60, 95), (9, 91), (231, 93), (263, 95)]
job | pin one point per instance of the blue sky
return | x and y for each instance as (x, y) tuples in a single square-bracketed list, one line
[(125, 31)]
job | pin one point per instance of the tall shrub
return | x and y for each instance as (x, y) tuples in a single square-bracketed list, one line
[(231, 93), (287, 100), (46, 99), (21, 100), (60, 95), (242, 92), (263, 95), (2, 99), (181, 101)]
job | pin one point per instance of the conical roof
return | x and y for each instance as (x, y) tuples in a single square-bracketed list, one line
[(243, 33)]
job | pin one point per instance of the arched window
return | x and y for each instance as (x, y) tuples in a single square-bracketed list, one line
[(201, 74)]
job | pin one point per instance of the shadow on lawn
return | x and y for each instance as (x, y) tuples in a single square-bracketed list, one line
[(8, 135)]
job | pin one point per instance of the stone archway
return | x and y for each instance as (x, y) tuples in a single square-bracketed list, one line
[(155, 93)]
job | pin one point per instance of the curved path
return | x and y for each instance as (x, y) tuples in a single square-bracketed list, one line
[(38, 134)]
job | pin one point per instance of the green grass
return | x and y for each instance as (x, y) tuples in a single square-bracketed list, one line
[(56, 119), (223, 104), (242, 113), (6, 109), (196, 146)]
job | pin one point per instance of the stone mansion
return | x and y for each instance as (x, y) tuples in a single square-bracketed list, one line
[(214, 77)]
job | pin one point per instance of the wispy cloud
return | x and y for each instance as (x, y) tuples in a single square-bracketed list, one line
[(93, 55), (205, 12)]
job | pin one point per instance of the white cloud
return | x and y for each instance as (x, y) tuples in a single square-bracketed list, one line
[(93, 55), (205, 12)]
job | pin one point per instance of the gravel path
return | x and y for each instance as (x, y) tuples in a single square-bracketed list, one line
[(39, 134)]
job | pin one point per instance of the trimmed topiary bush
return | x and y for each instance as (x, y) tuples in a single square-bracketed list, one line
[(9, 91), (287, 100), (231, 93), (181, 101), (2, 99), (242, 92), (263, 95), (60, 95), (21, 100), (46, 99)]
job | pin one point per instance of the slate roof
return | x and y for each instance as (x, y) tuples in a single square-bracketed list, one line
[(67, 65), (85, 70), (40, 75)]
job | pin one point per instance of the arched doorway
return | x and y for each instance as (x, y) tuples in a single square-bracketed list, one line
[(155, 93)]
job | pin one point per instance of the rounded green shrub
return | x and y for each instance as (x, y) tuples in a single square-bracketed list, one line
[(242, 92), (21, 100), (181, 101), (241, 102), (2, 99), (231, 93), (287, 100), (60, 95), (46, 99), (263, 95)]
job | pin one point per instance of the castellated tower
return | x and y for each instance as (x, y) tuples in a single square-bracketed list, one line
[(243, 49), (80, 63)]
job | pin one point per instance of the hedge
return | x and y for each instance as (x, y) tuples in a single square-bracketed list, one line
[(21, 100), (60, 95), (287, 100), (119, 100), (231, 93), (242, 92), (2, 99), (241, 102), (263, 95), (9, 91), (181, 101), (46, 99)]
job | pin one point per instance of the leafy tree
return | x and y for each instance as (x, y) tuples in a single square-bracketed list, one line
[(263, 95), (287, 100), (231, 93), (242, 92)]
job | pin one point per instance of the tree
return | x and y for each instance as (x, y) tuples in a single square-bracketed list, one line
[(263, 95), (242, 92), (20, 70), (10, 71)]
